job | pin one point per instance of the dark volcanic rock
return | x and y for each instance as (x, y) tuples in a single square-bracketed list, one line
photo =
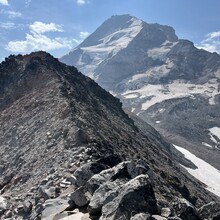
[(104, 194), (136, 196), (84, 173), (81, 196)]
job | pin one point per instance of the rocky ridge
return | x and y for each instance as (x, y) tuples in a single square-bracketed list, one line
[(57, 124)]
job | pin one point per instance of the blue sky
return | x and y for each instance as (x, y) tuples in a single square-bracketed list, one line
[(57, 26)]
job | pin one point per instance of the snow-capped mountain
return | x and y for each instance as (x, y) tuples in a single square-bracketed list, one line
[(117, 49), (166, 81)]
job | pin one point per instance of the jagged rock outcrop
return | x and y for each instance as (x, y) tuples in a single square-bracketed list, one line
[(57, 123), (120, 196)]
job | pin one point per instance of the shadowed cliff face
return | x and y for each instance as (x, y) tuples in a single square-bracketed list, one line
[(54, 119)]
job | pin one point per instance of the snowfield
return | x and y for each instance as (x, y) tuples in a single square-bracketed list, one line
[(205, 172), (207, 145), (161, 52), (215, 131), (214, 134), (177, 89), (154, 72)]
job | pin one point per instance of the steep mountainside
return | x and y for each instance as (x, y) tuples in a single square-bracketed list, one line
[(54, 120), (166, 81)]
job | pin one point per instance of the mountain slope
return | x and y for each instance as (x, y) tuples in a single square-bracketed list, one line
[(53, 120), (166, 81)]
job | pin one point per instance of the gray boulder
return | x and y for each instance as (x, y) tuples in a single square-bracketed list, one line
[(39, 208), (85, 172), (136, 196), (103, 195), (19, 210), (81, 196), (141, 216), (8, 214), (54, 207), (27, 206), (165, 212), (125, 170), (3, 205), (47, 192), (184, 209)]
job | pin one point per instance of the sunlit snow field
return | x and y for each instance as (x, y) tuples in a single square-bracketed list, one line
[(205, 172)]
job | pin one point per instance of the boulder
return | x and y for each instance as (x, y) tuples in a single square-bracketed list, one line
[(124, 170), (54, 207), (97, 180), (3, 205), (210, 211), (136, 196), (165, 212), (27, 206), (8, 214), (85, 172), (81, 196), (77, 215), (39, 208), (103, 195), (19, 210), (141, 216), (47, 192), (184, 209)]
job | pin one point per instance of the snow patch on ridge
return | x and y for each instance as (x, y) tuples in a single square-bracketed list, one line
[(177, 89), (215, 131), (161, 52), (154, 72), (207, 145), (205, 172), (214, 134)]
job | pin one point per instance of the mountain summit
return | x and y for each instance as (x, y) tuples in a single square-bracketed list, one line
[(118, 48), (167, 81)]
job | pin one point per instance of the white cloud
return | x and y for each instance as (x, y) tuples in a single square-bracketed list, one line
[(14, 14), (11, 14), (40, 27), (83, 35), (209, 47), (4, 2), (7, 25), (81, 2), (213, 35), (37, 40), (211, 43)]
